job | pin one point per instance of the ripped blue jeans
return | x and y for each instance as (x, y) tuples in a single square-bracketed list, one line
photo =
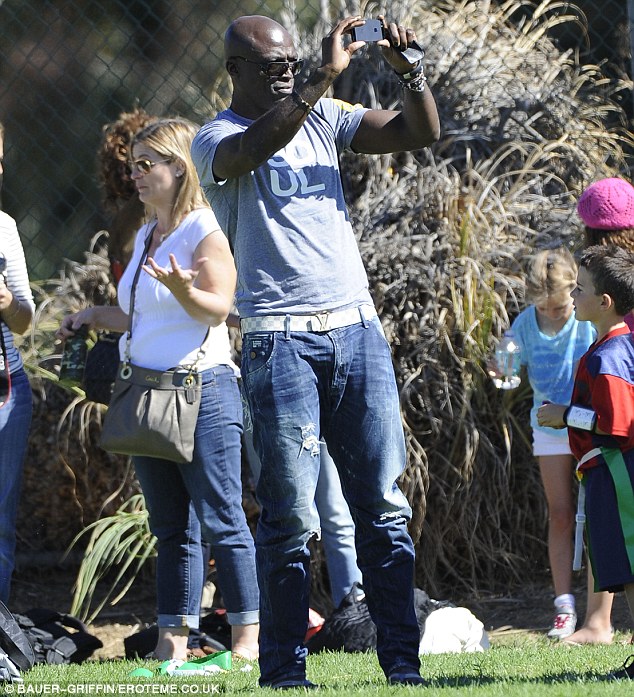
[(338, 385)]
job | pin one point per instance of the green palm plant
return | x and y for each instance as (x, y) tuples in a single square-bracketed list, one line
[(118, 547)]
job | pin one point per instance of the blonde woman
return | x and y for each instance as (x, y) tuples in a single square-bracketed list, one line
[(186, 289)]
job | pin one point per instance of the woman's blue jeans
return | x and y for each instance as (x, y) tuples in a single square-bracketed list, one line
[(15, 421), (203, 498), (338, 385), (337, 530)]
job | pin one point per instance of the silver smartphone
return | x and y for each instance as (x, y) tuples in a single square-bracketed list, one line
[(372, 30)]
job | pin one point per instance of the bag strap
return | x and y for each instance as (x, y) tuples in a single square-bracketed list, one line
[(126, 371), (135, 280), (5, 373), (13, 641)]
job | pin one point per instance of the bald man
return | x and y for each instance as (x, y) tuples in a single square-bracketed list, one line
[(315, 362)]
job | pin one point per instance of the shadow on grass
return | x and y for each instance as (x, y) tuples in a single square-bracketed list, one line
[(463, 681), (554, 678)]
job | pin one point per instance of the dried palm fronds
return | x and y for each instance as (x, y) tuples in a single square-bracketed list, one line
[(443, 233)]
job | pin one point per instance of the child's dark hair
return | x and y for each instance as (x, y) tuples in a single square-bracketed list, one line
[(550, 272), (624, 237), (612, 272)]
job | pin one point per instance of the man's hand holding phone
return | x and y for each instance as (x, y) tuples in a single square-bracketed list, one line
[(399, 43), (371, 30)]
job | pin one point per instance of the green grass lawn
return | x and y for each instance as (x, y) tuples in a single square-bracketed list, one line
[(521, 664)]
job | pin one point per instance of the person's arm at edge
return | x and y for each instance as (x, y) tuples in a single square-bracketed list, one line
[(16, 303), (17, 315)]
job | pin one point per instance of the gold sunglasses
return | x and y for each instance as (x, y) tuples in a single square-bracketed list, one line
[(144, 166)]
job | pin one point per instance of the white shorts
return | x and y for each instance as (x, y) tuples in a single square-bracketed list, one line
[(554, 442)]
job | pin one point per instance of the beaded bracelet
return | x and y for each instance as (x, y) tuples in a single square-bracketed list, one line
[(415, 85), (301, 102), (414, 80)]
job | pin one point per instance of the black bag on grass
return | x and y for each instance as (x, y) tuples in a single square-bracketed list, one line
[(13, 640), (50, 639), (351, 629)]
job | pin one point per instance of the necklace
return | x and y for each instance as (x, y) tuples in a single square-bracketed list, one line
[(162, 236)]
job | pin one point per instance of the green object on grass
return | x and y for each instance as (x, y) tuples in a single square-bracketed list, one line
[(141, 673), (221, 659), (162, 669)]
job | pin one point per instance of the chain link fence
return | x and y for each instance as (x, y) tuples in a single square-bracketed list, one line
[(69, 66)]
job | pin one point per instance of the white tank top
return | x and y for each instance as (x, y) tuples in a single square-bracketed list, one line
[(163, 334)]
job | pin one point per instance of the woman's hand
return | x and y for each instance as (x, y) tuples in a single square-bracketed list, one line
[(206, 290), (176, 279), (6, 296), (71, 323), (109, 317)]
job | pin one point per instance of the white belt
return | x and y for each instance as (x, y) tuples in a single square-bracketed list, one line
[(580, 517), (588, 456), (320, 322), (580, 521)]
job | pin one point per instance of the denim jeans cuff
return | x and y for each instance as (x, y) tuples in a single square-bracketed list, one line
[(191, 621), (242, 618)]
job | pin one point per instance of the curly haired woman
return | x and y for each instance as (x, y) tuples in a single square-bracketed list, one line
[(119, 195)]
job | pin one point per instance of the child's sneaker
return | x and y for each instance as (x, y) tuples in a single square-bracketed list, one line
[(564, 624)]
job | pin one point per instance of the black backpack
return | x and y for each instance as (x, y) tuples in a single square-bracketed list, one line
[(351, 629), (13, 641), (51, 642)]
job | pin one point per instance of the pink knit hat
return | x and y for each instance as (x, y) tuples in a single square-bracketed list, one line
[(607, 205)]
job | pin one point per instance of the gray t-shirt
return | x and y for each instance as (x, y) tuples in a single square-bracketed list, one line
[(287, 221)]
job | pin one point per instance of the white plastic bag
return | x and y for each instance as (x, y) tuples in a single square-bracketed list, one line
[(453, 630)]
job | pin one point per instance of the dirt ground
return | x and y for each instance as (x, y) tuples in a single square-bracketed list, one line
[(528, 609)]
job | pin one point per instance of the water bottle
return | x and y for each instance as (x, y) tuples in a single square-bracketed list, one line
[(71, 367), (507, 358)]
